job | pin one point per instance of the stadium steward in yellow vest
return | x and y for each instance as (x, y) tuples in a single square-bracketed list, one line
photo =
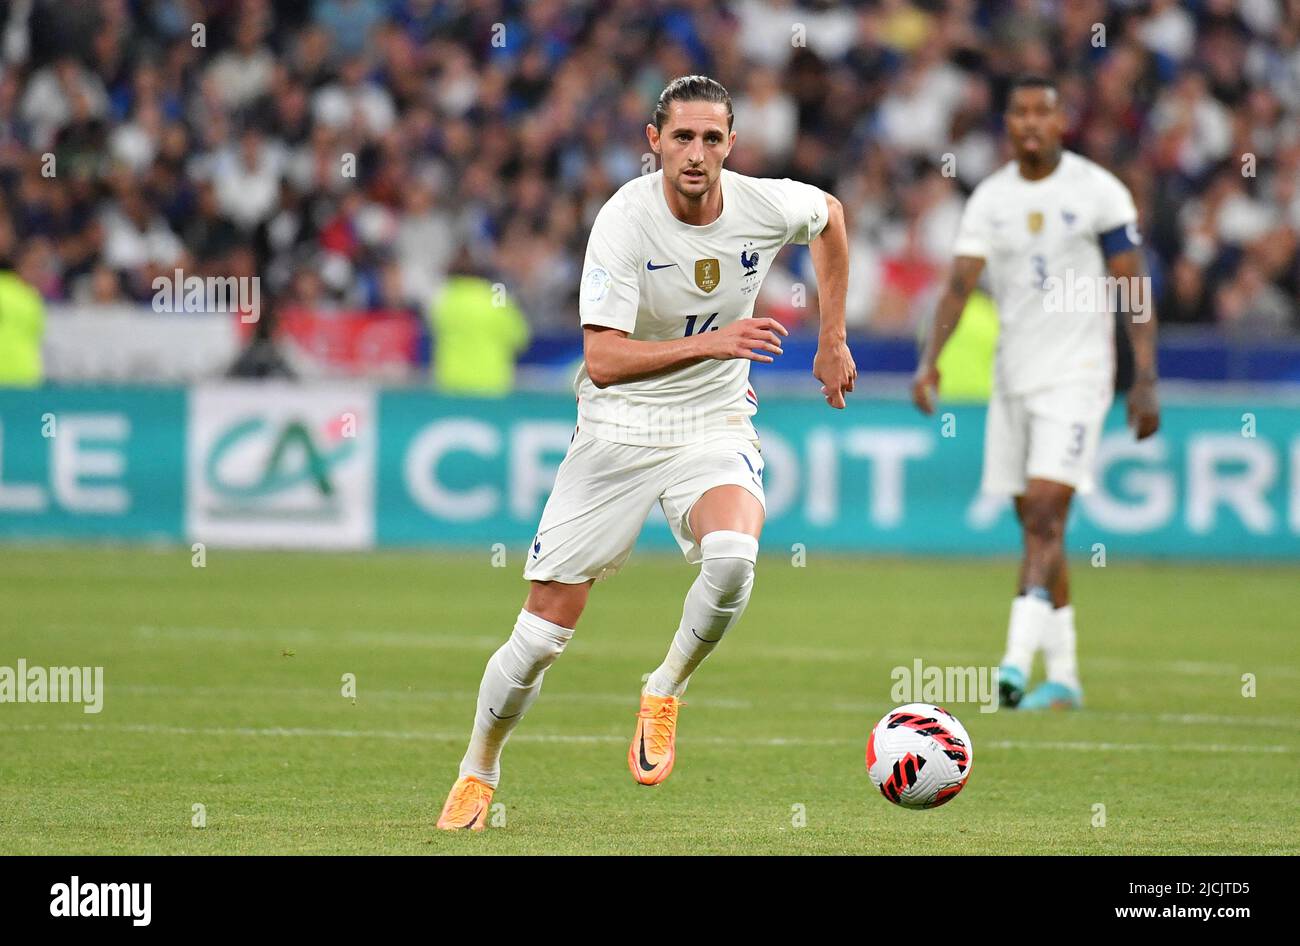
[(22, 326), (477, 335)]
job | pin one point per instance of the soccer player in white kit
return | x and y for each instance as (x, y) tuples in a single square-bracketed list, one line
[(674, 264), (1051, 226)]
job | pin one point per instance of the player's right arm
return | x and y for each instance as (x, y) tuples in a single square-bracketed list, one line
[(613, 358), (970, 250), (961, 283), (608, 303)]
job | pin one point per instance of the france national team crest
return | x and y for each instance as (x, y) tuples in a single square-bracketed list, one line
[(749, 262), (707, 274), (1035, 221)]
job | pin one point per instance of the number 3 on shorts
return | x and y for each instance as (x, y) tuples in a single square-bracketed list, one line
[(1076, 444)]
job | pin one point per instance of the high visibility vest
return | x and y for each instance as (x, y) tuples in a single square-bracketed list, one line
[(22, 326), (477, 336)]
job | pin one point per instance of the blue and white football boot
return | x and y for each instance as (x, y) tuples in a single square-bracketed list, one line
[(1052, 695), (1011, 686)]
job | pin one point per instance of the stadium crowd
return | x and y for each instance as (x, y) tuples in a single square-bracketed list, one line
[(354, 152)]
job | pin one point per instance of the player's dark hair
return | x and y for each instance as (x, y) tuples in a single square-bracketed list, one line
[(1030, 81), (691, 89)]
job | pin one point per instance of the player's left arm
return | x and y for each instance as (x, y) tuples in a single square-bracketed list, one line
[(1140, 322), (833, 365)]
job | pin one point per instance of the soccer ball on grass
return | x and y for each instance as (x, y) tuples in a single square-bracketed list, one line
[(919, 756)]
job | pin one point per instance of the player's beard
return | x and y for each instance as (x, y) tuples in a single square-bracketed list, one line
[(694, 188), (1041, 159)]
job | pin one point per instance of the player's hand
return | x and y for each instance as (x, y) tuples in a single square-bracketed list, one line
[(833, 366), (925, 384), (746, 338), (1143, 409)]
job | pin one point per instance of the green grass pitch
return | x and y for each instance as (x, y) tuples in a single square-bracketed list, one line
[(223, 689)]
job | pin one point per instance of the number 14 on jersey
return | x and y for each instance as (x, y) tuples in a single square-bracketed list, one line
[(705, 326)]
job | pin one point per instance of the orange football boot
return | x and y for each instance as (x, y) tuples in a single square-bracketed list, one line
[(467, 805), (654, 747)]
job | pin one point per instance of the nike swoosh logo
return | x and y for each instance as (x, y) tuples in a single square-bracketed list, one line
[(705, 639), (477, 814), (652, 267), (494, 713), (646, 764)]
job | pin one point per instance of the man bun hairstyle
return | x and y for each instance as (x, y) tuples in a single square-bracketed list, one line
[(691, 89)]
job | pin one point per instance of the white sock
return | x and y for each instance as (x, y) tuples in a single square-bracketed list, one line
[(511, 682), (1030, 619), (715, 602), (1059, 648)]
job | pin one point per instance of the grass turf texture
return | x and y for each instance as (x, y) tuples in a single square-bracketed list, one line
[(223, 689)]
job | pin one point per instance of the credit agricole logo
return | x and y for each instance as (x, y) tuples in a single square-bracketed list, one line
[(283, 469)]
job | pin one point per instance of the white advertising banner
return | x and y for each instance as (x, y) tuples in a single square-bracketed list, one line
[(277, 465), (134, 343)]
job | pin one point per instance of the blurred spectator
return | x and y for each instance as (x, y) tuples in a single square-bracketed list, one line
[(307, 292), (478, 334), (1194, 126), (355, 101), (22, 313), (100, 287), (58, 93), (1170, 32), (1250, 304), (425, 242), (242, 74), (373, 140), (767, 116), (137, 240), (209, 234), (348, 22), (247, 179)]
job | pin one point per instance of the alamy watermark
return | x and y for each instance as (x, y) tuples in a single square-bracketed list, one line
[(657, 424), (942, 685), (1074, 293), (24, 684), (75, 898), (181, 293)]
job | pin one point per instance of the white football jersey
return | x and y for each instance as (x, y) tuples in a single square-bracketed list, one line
[(651, 275), (1040, 244)]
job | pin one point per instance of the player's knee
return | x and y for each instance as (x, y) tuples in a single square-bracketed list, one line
[(1042, 520), (729, 578), (728, 564), (534, 645)]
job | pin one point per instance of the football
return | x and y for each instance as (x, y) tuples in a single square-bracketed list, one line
[(919, 756)]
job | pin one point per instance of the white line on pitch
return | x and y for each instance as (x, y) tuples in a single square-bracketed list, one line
[(592, 645), (421, 736), (866, 708)]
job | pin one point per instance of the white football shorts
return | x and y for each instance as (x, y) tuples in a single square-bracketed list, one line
[(604, 491), (1049, 434)]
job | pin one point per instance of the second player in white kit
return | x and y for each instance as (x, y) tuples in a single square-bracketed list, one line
[(1055, 371), (1057, 235), (673, 268)]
